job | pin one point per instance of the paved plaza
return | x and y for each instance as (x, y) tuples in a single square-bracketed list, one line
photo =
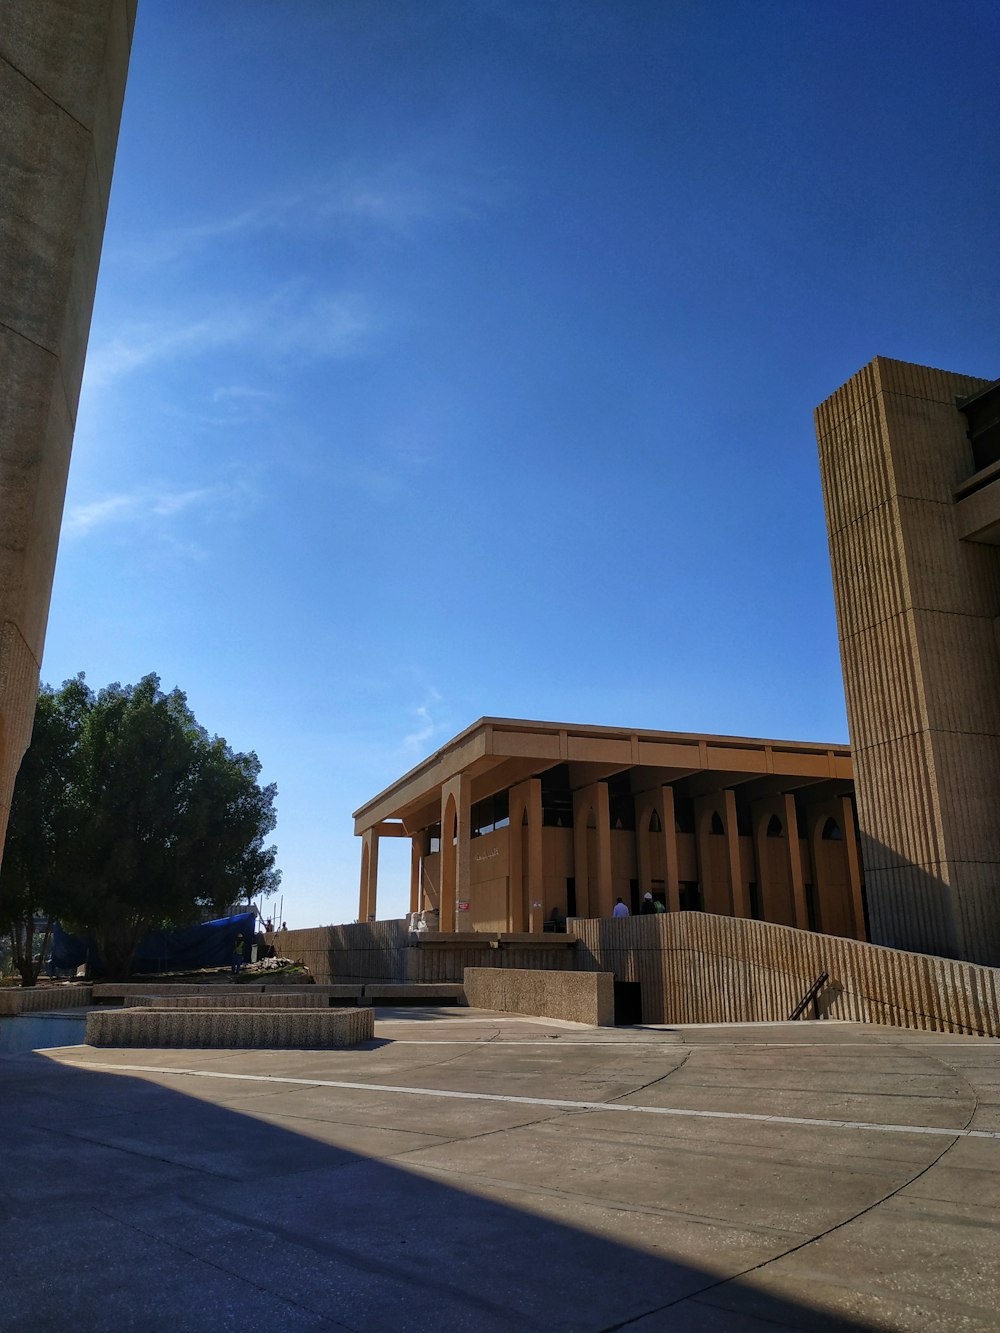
[(474, 1171)]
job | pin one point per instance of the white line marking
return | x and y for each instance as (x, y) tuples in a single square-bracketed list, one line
[(557, 1103)]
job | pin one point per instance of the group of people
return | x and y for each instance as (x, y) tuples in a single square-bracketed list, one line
[(650, 906)]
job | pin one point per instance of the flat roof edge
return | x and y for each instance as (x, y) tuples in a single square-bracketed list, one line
[(607, 732)]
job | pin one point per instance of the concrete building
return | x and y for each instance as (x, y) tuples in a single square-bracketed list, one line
[(910, 461), (514, 821), (62, 81)]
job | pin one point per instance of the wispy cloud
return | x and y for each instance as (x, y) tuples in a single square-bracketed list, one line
[(321, 327), (424, 725), (433, 187), (145, 507)]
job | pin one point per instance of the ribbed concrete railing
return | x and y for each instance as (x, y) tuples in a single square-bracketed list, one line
[(696, 968)]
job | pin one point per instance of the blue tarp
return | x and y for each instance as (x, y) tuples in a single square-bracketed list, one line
[(209, 944)]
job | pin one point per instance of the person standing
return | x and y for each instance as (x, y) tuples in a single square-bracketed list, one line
[(619, 909), (238, 944), (648, 906)]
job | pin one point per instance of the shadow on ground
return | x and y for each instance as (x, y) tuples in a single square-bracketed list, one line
[(130, 1206)]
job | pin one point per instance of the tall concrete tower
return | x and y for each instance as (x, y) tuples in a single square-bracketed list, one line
[(62, 81), (910, 462)]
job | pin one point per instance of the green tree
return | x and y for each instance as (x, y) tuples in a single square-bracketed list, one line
[(42, 832), (165, 821)]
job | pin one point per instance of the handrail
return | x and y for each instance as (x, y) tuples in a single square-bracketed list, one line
[(811, 996)]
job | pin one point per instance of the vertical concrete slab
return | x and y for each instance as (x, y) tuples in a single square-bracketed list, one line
[(62, 83)]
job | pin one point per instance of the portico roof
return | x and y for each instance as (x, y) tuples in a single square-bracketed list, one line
[(498, 752)]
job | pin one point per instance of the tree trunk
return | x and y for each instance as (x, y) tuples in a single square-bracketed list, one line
[(22, 941)]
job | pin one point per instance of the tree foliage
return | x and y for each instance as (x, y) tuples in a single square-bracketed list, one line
[(41, 833), (150, 819)]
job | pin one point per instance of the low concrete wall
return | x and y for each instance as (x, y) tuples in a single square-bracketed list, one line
[(446, 957), (697, 968), (254, 1001), (366, 952), (107, 991), (580, 997), (386, 951), (14, 1000), (233, 1029)]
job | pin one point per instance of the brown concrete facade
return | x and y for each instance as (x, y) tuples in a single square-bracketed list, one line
[(62, 81), (910, 461), (515, 825)]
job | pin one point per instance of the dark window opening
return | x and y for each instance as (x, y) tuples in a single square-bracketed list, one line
[(812, 907), (832, 831), (571, 896), (756, 905), (775, 828), (654, 822), (491, 813), (982, 412), (621, 803), (683, 814), (717, 825), (690, 896), (557, 797)]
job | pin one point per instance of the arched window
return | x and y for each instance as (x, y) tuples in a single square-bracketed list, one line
[(717, 824), (832, 831), (654, 822), (775, 828)]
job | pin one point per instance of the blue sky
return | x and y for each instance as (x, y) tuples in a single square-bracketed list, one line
[(454, 359)]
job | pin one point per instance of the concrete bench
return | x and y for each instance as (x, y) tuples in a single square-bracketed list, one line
[(234, 1029), (32, 999), (581, 997), (110, 991), (255, 1000)]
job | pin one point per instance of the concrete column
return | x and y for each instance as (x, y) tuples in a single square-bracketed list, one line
[(853, 866), (799, 907), (670, 850), (368, 898), (719, 869), (740, 897), (596, 879), (526, 890), (782, 885), (456, 857), (660, 799), (416, 853), (62, 81)]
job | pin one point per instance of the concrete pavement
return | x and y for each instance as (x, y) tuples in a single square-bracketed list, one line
[(475, 1171)]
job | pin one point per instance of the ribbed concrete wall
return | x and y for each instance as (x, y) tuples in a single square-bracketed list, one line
[(916, 609), (431, 961), (234, 1029), (37, 998), (385, 951), (364, 951), (696, 968), (578, 997)]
